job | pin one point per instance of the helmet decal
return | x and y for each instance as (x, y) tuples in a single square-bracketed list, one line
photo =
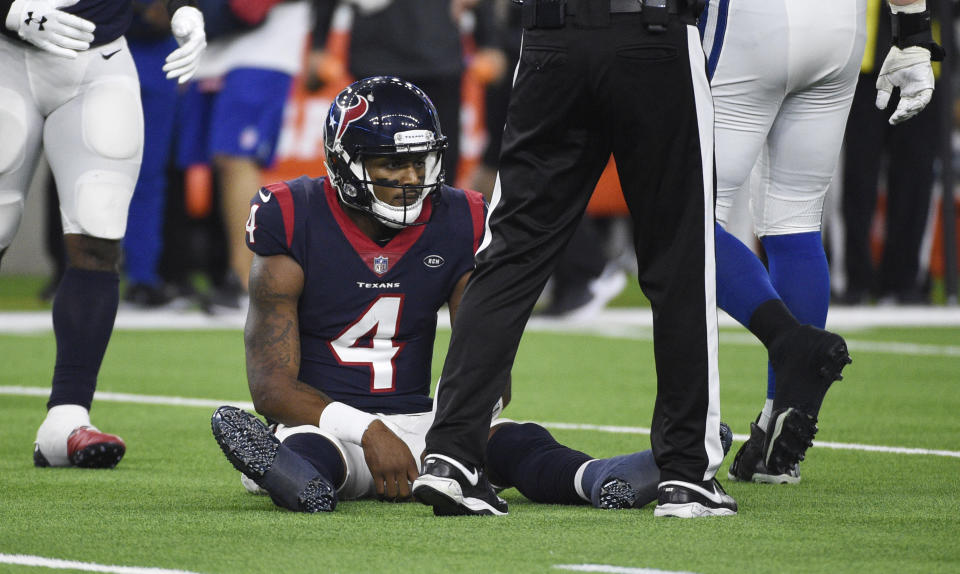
[(351, 114)]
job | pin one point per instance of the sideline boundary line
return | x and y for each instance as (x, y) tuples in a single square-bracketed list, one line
[(40, 561), (214, 403)]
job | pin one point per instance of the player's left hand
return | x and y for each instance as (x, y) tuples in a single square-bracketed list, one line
[(908, 69), (390, 462), (187, 27)]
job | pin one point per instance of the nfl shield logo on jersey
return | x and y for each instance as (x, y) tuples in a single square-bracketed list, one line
[(380, 264)]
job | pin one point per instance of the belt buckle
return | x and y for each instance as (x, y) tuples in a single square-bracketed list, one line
[(656, 14)]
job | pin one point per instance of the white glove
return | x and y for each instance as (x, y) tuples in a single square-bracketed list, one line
[(187, 27), (43, 24), (908, 69)]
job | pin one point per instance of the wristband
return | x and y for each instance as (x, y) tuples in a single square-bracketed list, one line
[(914, 29), (345, 422)]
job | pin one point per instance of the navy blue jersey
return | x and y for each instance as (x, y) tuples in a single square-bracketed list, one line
[(112, 17), (367, 314)]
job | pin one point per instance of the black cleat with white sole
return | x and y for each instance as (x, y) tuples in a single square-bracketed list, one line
[(749, 465), (694, 499), (452, 489), (291, 481), (791, 433)]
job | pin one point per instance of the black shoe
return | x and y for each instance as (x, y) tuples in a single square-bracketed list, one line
[(292, 482), (791, 434), (749, 465), (694, 499), (451, 489), (806, 360)]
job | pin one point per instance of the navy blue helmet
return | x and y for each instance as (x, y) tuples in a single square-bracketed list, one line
[(381, 116)]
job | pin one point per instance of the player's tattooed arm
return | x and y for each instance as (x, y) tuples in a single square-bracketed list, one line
[(272, 341)]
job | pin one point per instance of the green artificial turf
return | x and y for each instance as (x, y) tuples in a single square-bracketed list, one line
[(175, 502)]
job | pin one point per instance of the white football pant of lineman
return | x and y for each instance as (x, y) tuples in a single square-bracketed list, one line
[(86, 113), (783, 84)]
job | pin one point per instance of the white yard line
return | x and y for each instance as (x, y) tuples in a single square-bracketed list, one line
[(214, 403), (615, 569), (40, 561)]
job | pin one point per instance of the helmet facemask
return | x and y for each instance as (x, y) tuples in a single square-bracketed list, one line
[(396, 216)]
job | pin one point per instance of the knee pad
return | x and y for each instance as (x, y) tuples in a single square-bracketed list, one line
[(13, 126), (11, 211), (113, 119), (100, 204)]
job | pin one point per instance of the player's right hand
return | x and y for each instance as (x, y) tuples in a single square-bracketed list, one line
[(43, 24), (390, 462)]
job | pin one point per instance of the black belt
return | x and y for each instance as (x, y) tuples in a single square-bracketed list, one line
[(551, 13), (616, 7)]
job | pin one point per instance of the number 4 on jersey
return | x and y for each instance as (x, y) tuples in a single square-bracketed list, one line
[(252, 222), (369, 341)]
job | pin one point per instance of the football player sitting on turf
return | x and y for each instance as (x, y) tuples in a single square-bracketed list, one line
[(348, 274)]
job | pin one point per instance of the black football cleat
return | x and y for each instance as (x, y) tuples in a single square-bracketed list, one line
[(791, 434), (749, 463), (693, 499), (291, 481), (617, 494), (806, 361), (452, 489)]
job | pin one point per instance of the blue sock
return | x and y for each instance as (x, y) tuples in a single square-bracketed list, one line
[(321, 454), (639, 469), (84, 310), (800, 274), (742, 282), (526, 456)]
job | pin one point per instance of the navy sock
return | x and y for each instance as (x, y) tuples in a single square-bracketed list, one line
[(639, 469), (526, 456), (321, 454), (84, 310), (742, 281), (800, 273)]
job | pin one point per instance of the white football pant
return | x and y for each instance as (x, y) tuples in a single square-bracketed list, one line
[(87, 115), (784, 74)]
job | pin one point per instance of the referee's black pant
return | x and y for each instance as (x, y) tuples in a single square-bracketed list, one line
[(580, 94)]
